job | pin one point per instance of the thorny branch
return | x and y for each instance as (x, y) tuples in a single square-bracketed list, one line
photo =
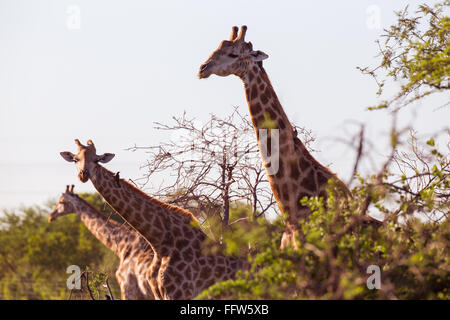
[(210, 167)]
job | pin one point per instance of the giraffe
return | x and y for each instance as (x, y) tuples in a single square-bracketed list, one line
[(134, 252), (298, 174), (179, 270)]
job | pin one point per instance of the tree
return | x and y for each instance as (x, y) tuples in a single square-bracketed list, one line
[(214, 167), (335, 258), (338, 247), (417, 51)]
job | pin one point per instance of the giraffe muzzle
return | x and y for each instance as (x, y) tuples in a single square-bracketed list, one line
[(84, 175), (53, 215), (203, 72)]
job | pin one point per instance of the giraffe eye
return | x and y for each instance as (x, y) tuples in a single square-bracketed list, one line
[(231, 55)]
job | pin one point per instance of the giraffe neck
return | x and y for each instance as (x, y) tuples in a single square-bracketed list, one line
[(263, 102), (164, 226), (110, 233), (299, 174)]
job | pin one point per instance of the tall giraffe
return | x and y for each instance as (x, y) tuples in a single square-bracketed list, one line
[(180, 270), (133, 250), (298, 174)]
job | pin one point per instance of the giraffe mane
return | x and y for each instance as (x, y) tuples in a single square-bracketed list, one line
[(170, 207)]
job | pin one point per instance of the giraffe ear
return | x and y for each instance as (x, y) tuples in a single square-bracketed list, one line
[(68, 156), (106, 157), (258, 56)]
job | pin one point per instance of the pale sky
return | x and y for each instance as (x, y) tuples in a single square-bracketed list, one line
[(131, 63)]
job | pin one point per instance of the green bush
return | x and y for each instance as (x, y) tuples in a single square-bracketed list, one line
[(336, 245), (34, 254)]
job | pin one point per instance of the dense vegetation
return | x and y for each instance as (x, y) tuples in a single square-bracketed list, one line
[(34, 254), (336, 247)]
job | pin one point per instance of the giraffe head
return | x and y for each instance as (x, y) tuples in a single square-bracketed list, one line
[(86, 159), (234, 56), (64, 205)]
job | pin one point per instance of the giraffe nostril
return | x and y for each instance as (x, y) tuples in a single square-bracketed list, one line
[(83, 175), (203, 67)]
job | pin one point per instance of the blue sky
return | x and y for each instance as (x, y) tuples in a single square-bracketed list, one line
[(132, 63)]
